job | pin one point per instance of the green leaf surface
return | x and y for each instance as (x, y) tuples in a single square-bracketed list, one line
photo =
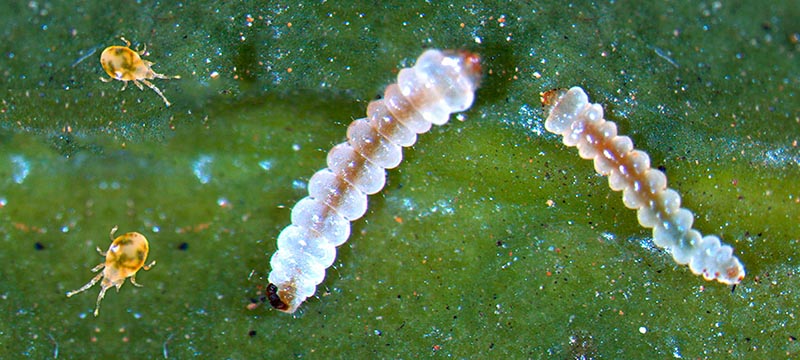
[(490, 240)]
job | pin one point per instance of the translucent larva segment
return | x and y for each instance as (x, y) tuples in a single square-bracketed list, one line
[(590, 143), (685, 248), (295, 239), (670, 201), (606, 130), (616, 180), (355, 169), (665, 237), (454, 76), (574, 134), (602, 165), (690, 239), (697, 265), (370, 144), (619, 147), (345, 199), (313, 214), (388, 126), (638, 162), (565, 110), (304, 290), (424, 96), (280, 273), (679, 223), (643, 188), (586, 147), (633, 199), (413, 83), (648, 216), (434, 113), (593, 114), (682, 220), (724, 253), (299, 265), (656, 181), (705, 261), (404, 112)]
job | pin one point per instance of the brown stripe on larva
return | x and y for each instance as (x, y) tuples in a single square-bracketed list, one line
[(351, 171), (335, 199)]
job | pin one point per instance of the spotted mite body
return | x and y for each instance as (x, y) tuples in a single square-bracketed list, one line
[(125, 256), (124, 64)]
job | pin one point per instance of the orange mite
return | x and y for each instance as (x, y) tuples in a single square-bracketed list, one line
[(123, 64), (124, 258)]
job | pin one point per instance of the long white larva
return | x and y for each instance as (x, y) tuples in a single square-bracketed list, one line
[(441, 83), (643, 188)]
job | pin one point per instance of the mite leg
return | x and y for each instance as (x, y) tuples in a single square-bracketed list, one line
[(150, 85), (87, 286)]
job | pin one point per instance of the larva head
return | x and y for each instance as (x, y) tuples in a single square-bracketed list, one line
[(282, 298), (563, 108)]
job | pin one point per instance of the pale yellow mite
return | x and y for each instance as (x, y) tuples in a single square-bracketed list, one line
[(124, 258), (123, 64)]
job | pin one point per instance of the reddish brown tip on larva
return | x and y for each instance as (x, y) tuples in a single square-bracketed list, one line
[(549, 98), (472, 61), (472, 64), (733, 272)]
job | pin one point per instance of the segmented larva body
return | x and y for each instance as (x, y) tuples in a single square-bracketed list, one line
[(643, 188), (441, 83)]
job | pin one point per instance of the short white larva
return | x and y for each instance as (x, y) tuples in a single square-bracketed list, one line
[(441, 83), (643, 188)]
